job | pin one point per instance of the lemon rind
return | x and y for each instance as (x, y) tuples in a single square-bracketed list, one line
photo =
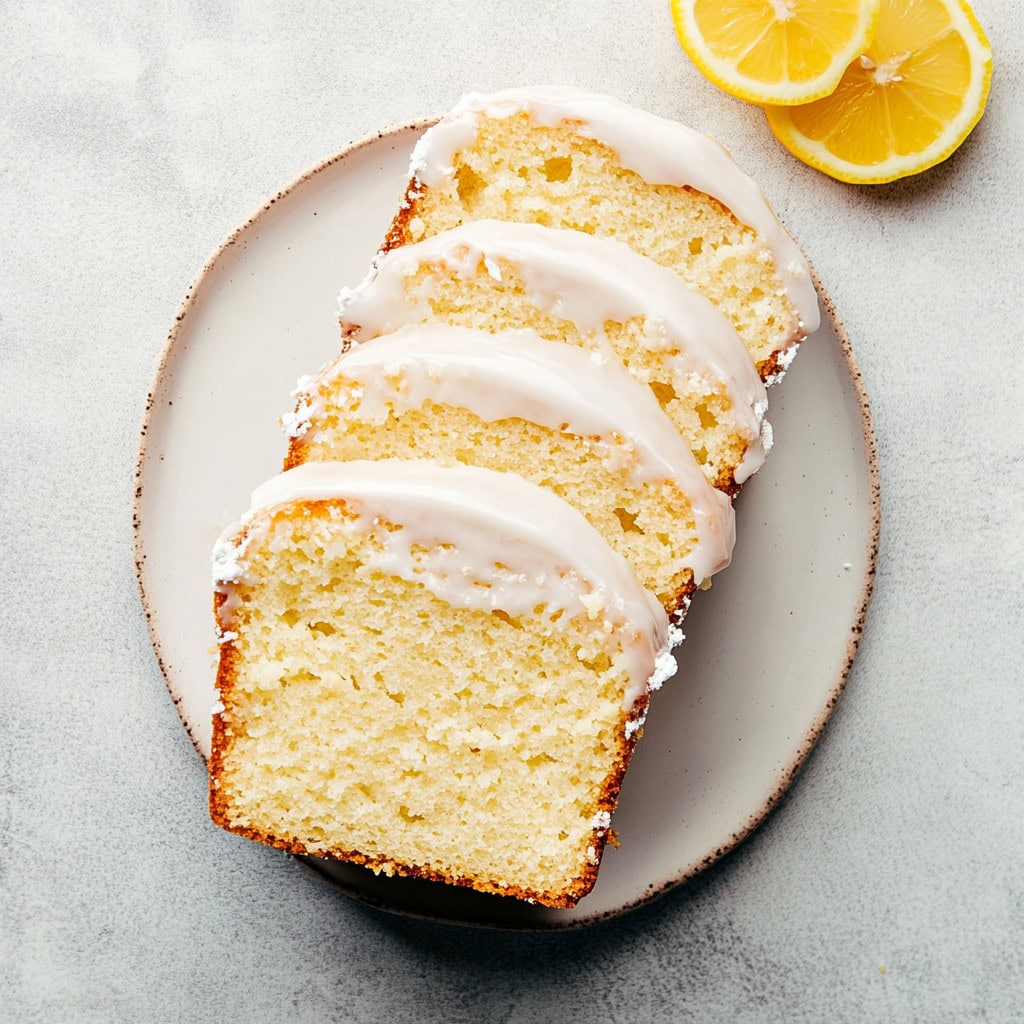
[(818, 156), (722, 74)]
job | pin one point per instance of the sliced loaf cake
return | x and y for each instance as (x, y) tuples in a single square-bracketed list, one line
[(432, 671)]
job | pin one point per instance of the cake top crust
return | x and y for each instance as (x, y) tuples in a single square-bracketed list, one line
[(475, 538), (661, 151)]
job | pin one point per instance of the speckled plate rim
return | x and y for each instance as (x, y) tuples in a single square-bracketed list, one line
[(784, 779)]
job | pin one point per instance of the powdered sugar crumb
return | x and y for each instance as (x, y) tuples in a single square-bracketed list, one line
[(345, 296), (419, 161), (783, 361), (297, 423), (665, 664), (227, 562), (635, 725)]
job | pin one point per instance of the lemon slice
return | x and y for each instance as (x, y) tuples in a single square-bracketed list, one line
[(904, 105), (774, 51)]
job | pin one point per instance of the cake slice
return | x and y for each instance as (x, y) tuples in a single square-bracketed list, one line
[(431, 671), (511, 401), (571, 159), (590, 292)]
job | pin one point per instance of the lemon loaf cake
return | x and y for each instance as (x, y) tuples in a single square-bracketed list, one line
[(572, 159), (512, 401), (590, 292), (432, 671)]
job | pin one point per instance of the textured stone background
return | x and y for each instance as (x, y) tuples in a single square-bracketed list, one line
[(887, 887)]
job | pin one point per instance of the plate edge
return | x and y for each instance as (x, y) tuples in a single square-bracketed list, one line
[(811, 736)]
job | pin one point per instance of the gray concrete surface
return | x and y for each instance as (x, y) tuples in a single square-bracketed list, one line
[(886, 887)]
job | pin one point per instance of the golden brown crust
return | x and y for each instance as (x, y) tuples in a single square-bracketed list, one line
[(774, 367), (680, 601), (399, 233), (296, 455), (726, 482), (563, 898), (226, 673)]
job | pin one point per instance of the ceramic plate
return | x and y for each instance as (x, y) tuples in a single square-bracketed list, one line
[(768, 647)]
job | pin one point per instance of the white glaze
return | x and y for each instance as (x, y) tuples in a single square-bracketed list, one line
[(493, 541), (661, 151), (588, 281), (517, 374)]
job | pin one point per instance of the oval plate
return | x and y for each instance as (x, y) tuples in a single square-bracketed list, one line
[(768, 648)]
